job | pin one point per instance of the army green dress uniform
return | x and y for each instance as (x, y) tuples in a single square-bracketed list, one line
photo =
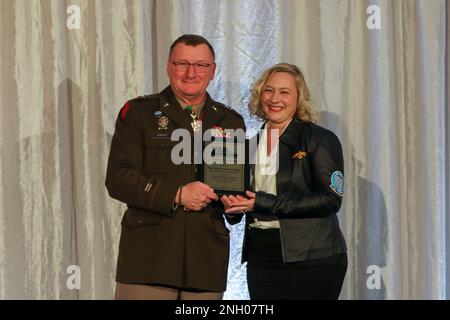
[(160, 245)]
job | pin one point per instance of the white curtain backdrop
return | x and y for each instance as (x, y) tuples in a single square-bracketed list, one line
[(384, 92)]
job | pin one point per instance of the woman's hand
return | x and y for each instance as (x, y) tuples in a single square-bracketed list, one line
[(239, 204)]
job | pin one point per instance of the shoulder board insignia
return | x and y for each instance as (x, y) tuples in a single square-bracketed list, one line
[(225, 108), (222, 106), (233, 110)]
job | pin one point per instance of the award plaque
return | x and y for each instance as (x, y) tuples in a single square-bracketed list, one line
[(225, 166)]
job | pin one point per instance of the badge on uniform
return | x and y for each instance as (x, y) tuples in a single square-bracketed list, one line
[(196, 122), (158, 114), (219, 132), (337, 183), (196, 125), (162, 123)]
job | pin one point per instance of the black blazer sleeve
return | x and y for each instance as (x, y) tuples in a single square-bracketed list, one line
[(326, 183)]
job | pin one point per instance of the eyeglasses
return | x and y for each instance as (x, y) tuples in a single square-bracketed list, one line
[(199, 67)]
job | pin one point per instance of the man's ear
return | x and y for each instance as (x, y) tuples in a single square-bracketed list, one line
[(167, 67)]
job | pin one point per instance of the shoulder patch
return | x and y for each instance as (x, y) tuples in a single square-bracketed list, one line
[(124, 110), (138, 101), (337, 183)]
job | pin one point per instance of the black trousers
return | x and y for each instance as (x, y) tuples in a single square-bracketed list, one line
[(269, 278)]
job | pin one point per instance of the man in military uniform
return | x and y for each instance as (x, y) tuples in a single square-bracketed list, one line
[(174, 243)]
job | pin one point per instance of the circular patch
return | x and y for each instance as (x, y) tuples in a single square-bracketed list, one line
[(337, 183), (163, 122)]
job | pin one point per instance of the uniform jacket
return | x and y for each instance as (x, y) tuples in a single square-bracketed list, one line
[(159, 245), (309, 193)]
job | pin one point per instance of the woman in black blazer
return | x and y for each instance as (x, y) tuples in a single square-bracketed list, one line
[(293, 245)]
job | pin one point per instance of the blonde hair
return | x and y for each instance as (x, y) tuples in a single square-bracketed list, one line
[(305, 110)]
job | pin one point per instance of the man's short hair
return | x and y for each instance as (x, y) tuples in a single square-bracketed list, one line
[(192, 40)]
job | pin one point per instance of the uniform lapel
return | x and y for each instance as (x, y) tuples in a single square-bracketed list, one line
[(170, 107), (212, 114)]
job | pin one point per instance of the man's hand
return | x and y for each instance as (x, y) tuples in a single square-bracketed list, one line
[(196, 196)]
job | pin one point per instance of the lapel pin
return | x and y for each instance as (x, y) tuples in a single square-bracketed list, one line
[(299, 155), (158, 113), (166, 105)]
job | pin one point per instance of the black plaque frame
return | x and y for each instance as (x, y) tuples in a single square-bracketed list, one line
[(245, 167)]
